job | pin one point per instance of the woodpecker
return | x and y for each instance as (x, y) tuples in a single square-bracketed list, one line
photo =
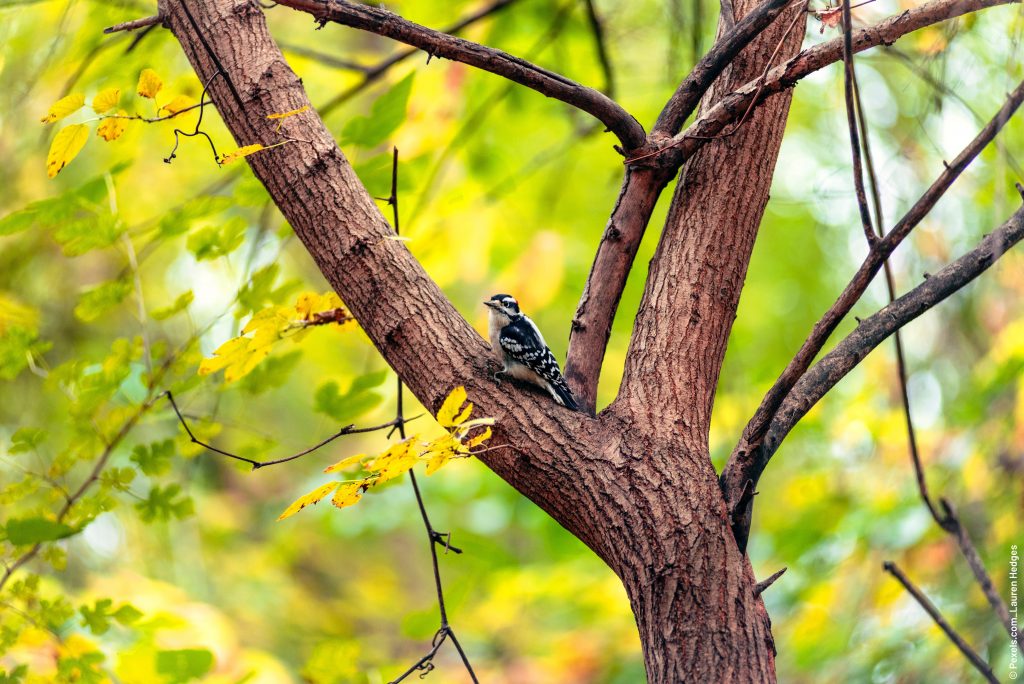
[(519, 345)]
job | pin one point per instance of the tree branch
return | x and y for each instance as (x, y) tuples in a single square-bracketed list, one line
[(929, 607), (687, 96), (783, 77), (438, 44), (374, 73), (834, 366), (402, 311), (744, 462)]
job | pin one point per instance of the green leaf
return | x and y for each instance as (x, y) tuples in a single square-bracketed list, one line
[(217, 241), (15, 676), (82, 235), (386, 115), (260, 292), (155, 458), (36, 530), (127, 615), (26, 439), (165, 503), (180, 220), (97, 617), (16, 345), (95, 302), (356, 401), (184, 664), (179, 305), (271, 373)]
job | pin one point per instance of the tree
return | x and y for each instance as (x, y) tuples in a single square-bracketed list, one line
[(634, 482)]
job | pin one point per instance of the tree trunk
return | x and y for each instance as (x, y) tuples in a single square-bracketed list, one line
[(636, 483)]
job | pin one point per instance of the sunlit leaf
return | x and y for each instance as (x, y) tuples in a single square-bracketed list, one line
[(450, 408), (149, 83), (241, 152), (179, 305), (184, 665), (345, 463), (111, 128), (63, 107), (309, 499), (66, 145), (26, 531), (178, 103), (105, 100), (347, 494), (386, 114)]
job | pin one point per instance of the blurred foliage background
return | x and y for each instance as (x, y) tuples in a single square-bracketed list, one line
[(175, 569)]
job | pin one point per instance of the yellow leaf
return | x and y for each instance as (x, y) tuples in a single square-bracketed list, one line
[(396, 460), (309, 499), (345, 463), (64, 106), (178, 103), (285, 115), (106, 100), (244, 151), (65, 147), (479, 439), (111, 128), (306, 304), (437, 460), (348, 493), (461, 418), (149, 83), (451, 406)]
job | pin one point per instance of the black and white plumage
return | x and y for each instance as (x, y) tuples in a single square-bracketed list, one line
[(519, 345)]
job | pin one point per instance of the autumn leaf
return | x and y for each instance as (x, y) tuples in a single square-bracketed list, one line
[(285, 115), (348, 493), (65, 146), (177, 104), (446, 415), (345, 463), (309, 499), (106, 100), (149, 83), (244, 151), (63, 107), (111, 128), (830, 18)]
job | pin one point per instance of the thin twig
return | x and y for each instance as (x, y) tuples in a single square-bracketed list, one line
[(601, 46), (929, 607), (438, 44), (134, 24), (750, 456), (376, 72), (767, 582), (256, 465), (426, 663), (849, 84)]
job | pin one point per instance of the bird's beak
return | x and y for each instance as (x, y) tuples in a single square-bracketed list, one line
[(491, 304)]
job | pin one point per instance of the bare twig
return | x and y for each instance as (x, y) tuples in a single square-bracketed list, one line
[(750, 456), (426, 663), (256, 465), (438, 44), (134, 24), (601, 46), (929, 607), (687, 96), (849, 84), (767, 582), (876, 328), (374, 73), (730, 107)]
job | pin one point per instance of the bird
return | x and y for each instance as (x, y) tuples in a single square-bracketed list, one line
[(518, 344)]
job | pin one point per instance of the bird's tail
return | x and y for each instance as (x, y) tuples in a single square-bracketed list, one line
[(563, 395)]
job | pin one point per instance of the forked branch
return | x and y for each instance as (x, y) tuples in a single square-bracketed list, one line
[(750, 455), (437, 44)]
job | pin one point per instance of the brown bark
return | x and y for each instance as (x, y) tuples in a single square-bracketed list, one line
[(636, 483)]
